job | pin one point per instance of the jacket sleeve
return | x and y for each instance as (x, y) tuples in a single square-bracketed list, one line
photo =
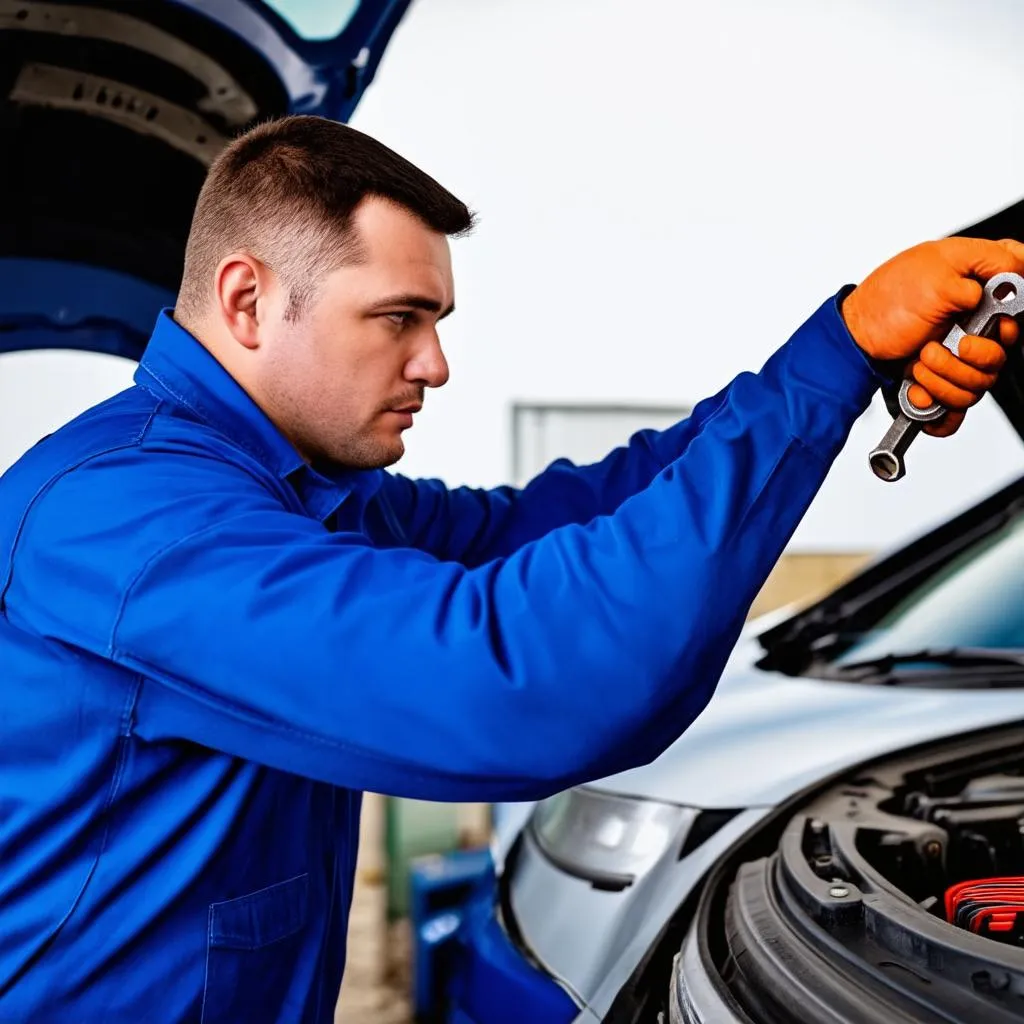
[(582, 653), (473, 525)]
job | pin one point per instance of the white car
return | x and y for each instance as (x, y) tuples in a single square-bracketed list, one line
[(859, 758)]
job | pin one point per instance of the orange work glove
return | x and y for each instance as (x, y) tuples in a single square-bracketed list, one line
[(906, 307)]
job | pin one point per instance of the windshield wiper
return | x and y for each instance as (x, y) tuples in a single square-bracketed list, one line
[(950, 657)]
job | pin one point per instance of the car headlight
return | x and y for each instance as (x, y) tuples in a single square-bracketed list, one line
[(607, 839)]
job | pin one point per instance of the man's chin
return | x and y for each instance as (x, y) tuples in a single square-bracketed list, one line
[(392, 450), (377, 456), (392, 457)]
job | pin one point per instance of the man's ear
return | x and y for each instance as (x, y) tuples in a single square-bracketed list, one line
[(241, 285)]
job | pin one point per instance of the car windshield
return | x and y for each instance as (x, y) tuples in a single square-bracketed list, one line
[(977, 600), (315, 19)]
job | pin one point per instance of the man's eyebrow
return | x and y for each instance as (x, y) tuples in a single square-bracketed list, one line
[(416, 301)]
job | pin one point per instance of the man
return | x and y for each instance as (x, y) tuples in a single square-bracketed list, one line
[(222, 619)]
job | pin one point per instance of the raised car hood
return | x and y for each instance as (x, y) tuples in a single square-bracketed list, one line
[(1009, 389), (765, 737), (112, 110)]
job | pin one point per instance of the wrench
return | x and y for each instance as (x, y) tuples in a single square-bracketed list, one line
[(1003, 295)]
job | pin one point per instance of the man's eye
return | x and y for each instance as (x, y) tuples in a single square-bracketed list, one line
[(401, 319)]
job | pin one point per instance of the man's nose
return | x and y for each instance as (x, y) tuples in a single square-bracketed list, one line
[(428, 366)]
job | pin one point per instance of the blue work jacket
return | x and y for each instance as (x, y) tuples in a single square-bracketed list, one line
[(210, 648)]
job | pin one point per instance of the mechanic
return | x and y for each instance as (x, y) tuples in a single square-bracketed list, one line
[(223, 619)]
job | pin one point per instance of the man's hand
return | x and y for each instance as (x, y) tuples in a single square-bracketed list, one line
[(907, 306)]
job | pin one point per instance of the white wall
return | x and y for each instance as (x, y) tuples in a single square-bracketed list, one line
[(41, 390), (666, 190)]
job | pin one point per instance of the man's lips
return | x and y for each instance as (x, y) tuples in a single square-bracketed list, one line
[(404, 414)]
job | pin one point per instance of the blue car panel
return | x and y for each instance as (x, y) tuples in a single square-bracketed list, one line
[(491, 982), (323, 76), (106, 152), (467, 970)]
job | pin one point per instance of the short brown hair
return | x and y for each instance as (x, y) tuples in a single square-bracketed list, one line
[(285, 192)]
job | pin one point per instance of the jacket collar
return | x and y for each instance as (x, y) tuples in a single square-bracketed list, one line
[(177, 368)]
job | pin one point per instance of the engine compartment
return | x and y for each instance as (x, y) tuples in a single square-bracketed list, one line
[(982, 817), (839, 912)]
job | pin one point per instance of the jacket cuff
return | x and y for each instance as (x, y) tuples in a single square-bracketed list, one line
[(889, 371), (825, 357), (828, 380)]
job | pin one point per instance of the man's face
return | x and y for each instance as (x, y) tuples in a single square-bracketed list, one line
[(344, 379)]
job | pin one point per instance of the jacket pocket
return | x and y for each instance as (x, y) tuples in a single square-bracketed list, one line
[(253, 948)]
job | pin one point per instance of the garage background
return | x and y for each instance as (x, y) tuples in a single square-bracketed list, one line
[(666, 190)]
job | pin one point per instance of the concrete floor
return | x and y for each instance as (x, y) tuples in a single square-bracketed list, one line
[(376, 986), (377, 972)]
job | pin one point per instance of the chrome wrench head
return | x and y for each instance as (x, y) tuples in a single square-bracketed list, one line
[(1003, 295)]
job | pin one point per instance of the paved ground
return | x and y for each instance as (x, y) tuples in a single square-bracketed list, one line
[(376, 985), (377, 969)]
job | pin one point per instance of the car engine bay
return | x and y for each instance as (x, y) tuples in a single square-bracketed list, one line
[(896, 894)]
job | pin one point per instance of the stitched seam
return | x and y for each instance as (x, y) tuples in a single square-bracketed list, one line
[(206, 971), (260, 892), (247, 949), (149, 421), (155, 672), (389, 516), (330, 903), (722, 402), (228, 943), (245, 715), (115, 782), (112, 647), (261, 458), (166, 550), (176, 395), (48, 486), (769, 476), (257, 452)]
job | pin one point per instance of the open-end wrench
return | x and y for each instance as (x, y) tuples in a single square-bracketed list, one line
[(1003, 295)]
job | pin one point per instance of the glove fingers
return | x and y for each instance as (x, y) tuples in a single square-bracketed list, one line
[(966, 373), (976, 257), (982, 353), (949, 424), (1009, 330), (920, 397), (961, 292), (941, 389)]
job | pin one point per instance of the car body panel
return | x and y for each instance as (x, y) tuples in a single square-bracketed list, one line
[(595, 939), (766, 736), (325, 77), (493, 982), (48, 304), (92, 252), (509, 819), (764, 739)]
